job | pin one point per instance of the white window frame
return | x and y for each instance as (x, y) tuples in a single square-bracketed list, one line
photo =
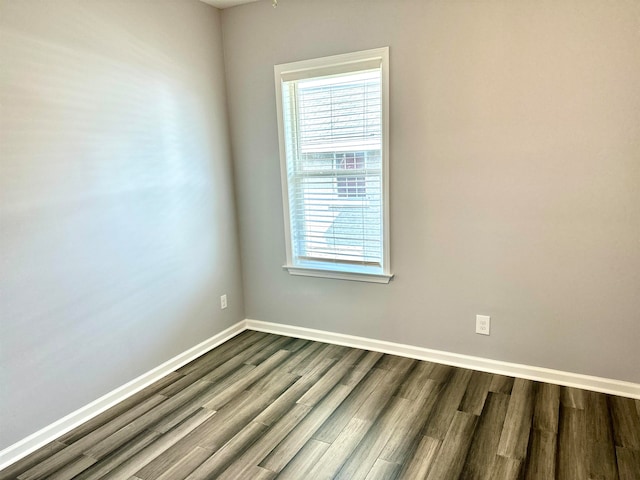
[(326, 66)]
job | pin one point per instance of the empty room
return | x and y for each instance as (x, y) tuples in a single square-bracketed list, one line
[(320, 239)]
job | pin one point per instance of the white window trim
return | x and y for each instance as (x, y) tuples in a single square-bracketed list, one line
[(304, 69)]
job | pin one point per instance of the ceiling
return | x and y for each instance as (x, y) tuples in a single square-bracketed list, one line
[(226, 3)]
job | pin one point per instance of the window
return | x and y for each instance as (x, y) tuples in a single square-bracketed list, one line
[(349, 186), (333, 128)]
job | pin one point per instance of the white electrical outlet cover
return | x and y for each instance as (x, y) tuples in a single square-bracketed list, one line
[(483, 324)]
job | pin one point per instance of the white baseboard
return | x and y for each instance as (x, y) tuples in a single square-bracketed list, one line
[(586, 382), (49, 433)]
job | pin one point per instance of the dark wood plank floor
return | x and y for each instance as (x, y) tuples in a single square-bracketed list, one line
[(264, 406)]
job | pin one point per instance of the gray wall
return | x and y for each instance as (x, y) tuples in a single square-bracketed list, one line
[(515, 175), (117, 216)]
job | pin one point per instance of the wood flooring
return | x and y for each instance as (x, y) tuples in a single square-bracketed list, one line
[(264, 406)]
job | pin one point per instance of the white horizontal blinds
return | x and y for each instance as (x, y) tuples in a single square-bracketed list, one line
[(333, 128)]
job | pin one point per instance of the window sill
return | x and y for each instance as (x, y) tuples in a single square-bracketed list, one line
[(356, 277)]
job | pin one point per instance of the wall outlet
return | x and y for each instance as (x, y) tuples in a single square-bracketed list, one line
[(483, 324), (223, 301)]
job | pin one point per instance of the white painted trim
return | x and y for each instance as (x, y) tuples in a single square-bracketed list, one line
[(354, 276), (568, 379), (24, 447)]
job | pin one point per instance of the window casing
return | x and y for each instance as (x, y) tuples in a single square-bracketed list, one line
[(333, 131)]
